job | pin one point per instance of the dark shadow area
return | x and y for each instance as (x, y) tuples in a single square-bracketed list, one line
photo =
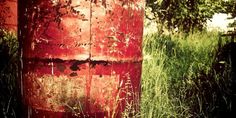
[(9, 66), (215, 92)]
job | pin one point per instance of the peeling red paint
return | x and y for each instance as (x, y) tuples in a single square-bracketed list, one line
[(81, 57), (120, 27)]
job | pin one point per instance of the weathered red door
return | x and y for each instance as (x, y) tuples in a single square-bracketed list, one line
[(81, 58), (8, 15)]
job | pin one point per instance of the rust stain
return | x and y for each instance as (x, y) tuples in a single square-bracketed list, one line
[(53, 93), (104, 91), (8, 15)]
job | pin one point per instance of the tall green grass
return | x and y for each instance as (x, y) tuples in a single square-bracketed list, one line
[(9, 61), (171, 67)]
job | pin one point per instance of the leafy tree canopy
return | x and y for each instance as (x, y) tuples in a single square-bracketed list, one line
[(230, 8), (186, 15)]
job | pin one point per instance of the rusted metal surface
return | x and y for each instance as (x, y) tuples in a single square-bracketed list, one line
[(116, 30), (57, 29), (81, 58), (8, 15)]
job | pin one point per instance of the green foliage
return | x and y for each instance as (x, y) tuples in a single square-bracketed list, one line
[(9, 60), (186, 15), (230, 7), (177, 78), (155, 101)]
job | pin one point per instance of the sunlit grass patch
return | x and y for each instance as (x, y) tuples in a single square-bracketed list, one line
[(170, 68)]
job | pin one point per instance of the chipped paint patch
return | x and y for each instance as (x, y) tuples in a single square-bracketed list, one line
[(104, 90), (54, 93)]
